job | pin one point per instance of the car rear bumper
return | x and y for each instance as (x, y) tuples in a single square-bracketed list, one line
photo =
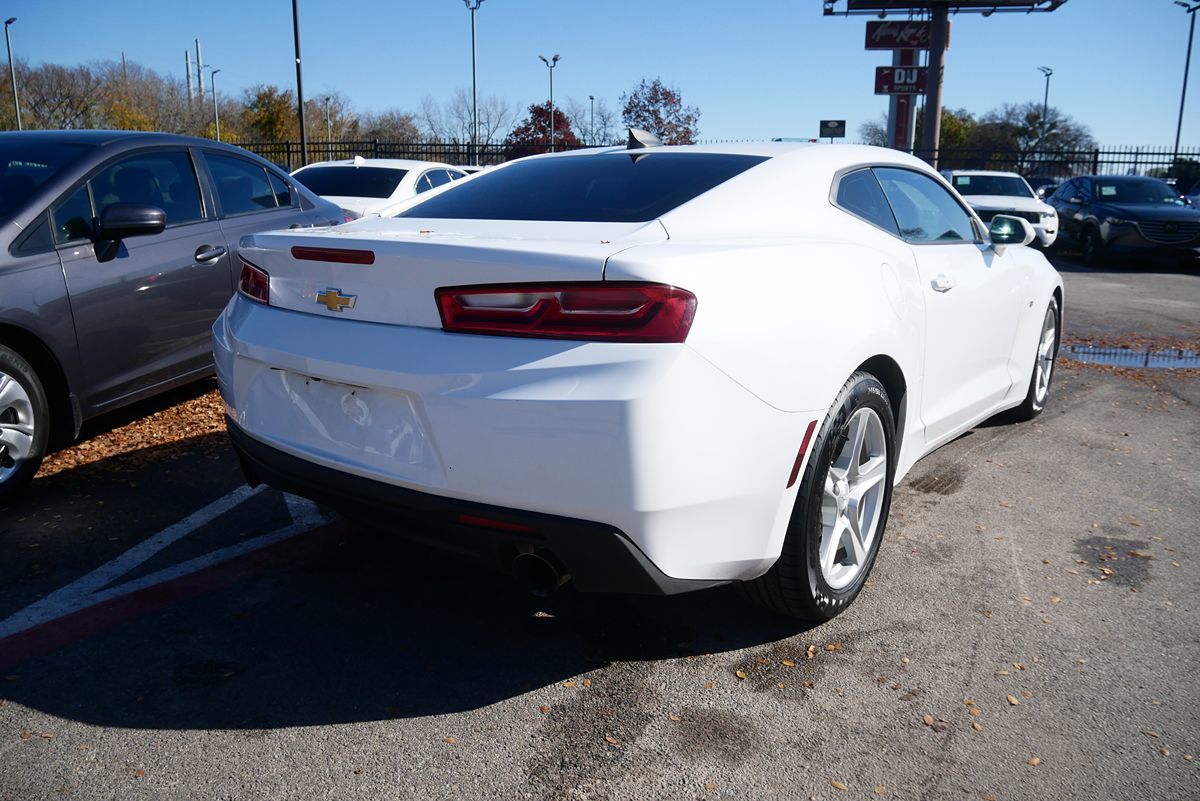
[(649, 440), (597, 557)]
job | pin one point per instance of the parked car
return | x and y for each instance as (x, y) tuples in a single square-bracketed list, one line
[(115, 258), (991, 193), (1109, 214), (364, 187), (649, 370)]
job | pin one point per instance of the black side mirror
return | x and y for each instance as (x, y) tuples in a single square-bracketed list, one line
[(123, 220)]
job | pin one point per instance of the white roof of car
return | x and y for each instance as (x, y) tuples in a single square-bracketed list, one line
[(393, 164), (984, 172)]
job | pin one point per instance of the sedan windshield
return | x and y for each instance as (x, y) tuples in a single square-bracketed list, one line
[(1008, 185), (25, 166), (351, 181), (1136, 190), (604, 187)]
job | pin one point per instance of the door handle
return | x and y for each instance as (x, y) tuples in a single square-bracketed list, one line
[(209, 253), (942, 283)]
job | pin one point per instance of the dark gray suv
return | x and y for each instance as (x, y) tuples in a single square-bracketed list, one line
[(117, 252)]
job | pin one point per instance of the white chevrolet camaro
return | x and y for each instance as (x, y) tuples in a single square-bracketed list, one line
[(644, 369)]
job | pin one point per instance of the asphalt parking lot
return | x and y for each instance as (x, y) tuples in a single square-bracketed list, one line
[(1030, 629)]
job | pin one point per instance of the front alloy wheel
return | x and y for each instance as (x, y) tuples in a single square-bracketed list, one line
[(23, 422), (1043, 366)]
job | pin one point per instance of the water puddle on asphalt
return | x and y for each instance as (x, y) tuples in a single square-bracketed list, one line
[(1156, 359)]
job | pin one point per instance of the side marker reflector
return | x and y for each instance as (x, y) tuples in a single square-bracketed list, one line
[(800, 456)]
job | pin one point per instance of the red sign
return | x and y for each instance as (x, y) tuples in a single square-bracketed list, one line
[(900, 80), (903, 35)]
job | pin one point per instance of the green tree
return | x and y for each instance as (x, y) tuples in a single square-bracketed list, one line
[(270, 114), (658, 108)]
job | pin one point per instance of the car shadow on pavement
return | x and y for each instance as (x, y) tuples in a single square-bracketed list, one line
[(357, 625)]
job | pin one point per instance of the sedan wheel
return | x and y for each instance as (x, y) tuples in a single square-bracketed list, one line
[(840, 511), (1043, 367), (23, 422), (1092, 247)]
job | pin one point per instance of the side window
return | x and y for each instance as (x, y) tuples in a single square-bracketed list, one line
[(455, 174), (282, 189), (859, 193), (72, 216), (424, 184), (439, 177), (242, 186), (925, 211), (35, 240), (164, 179)]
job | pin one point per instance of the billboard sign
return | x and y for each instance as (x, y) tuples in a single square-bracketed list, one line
[(903, 35), (832, 128), (900, 80)]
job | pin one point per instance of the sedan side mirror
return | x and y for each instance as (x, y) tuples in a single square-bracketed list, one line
[(123, 220), (1008, 230)]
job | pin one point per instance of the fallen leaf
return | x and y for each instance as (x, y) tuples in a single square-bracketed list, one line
[(928, 719), (789, 663), (974, 712), (809, 684), (46, 735), (838, 785), (25, 735), (904, 660), (83, 747), (710, 786), (1164, 751), (451, 740), (1019, 665), (1012, 699), (987, 612), (545, 710), (139, 773), (587, 682), (568, 684), (780, 685), (612, 740), (741, 674), (976, 725), (1033, 761), (968, 702), (675, 718), (833, 646), (988, 797), (1188, 757), (1026, 694), (1001, 672), (708, 685), (762, 660), (839, 691), (879, 789), (811, 651)]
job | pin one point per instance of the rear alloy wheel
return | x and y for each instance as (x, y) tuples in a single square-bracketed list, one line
[(1043, 367), (841, 509), (24, 423), (1092, 247)]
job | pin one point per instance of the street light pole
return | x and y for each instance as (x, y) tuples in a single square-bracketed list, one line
[(473, 6), (592, 124), (328, 128), (1191, 9), (551, 63), (216, 112), (12, 70), (1045, 98), (299, 84)]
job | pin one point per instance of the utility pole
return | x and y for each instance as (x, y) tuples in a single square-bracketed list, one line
[(187, 66), (200, 65), (931, 131), (1191, 9), (216, 111), (1045, 99), (328, 128), (299, 84), (12, 70), (473, 6), (551, 63), (592, 124)]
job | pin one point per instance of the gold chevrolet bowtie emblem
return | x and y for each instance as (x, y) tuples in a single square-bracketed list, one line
[(334, 300)]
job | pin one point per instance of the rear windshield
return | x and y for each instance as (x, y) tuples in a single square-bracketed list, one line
[(351, 181), (603, 187), (1009, 185), (25, 166)]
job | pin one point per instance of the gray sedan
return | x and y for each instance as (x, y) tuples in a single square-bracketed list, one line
[(117, 252)]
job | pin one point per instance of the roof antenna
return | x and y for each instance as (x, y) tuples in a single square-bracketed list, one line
[(639, 139)]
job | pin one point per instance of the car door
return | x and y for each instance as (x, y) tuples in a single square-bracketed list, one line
[(972, 302), (1071, 202), (252, 198), (143, 317)]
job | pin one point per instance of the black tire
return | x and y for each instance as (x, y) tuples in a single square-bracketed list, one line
[(1091, 247), (16, 473), (795, 586), (1032, 406)]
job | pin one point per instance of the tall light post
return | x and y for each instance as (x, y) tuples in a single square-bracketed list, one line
[(12, 70), (328, 127), (592, 124), (1045, 98), (299, 84), (1191, 8), (551, 63), (216, 111), (473, 6)]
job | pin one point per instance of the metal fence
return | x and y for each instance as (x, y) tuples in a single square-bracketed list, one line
[(1058, 165)]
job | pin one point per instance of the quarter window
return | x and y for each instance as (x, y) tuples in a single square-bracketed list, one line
[(242, 186), (73, 217), (859, 193), (281, 188), (925, 211), (164, 179)]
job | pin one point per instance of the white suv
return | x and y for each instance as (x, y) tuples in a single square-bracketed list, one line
[(990, 193)]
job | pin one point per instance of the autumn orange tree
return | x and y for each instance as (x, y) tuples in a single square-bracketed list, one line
[(655, 107), (532, 134)]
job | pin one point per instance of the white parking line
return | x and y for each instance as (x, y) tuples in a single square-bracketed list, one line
[(89, 590)]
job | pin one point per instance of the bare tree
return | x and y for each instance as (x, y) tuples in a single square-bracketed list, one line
[(874, 132), (451, 121), (56, 97)]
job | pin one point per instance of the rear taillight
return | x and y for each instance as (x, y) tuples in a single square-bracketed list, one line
[(610, 311), (254, 283)]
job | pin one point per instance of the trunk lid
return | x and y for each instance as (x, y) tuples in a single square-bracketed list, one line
[(412, 257)]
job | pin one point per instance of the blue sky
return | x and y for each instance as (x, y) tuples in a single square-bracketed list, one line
[(755, 68)]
